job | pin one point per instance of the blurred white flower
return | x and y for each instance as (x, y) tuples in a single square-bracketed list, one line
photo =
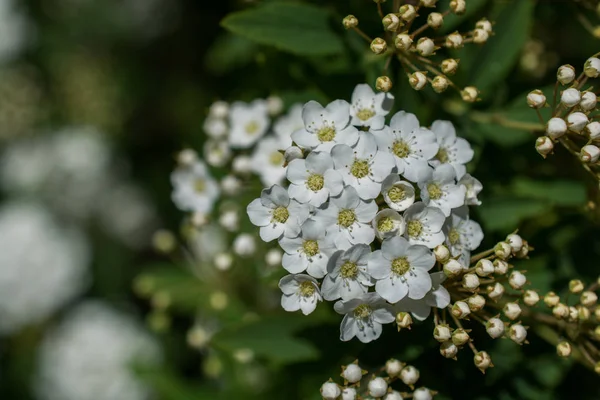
[(288, 124), (268, 159), (247, 123), (194, 189), (14, 30)]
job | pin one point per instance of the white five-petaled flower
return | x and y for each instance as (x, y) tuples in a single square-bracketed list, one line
[(325, 127), (193, 188), (473, 187), (453, 150), (363, 167), (363, 317), (437, 297), (347, 275), (300, 292), (463, 235), (288, 124), (276, 214), (388, 223), (313, 179), (398, 194), (440, 189), (424, 225), (401, 269), (347, 219), (247, 123), (268, 159), (412, 145), (308, 252), (369, 108)]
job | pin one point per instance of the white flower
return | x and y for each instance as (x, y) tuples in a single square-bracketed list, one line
[(440, 189), (300, 292), (437, 297), (347, 274), (308, 252), (216, 153), (368, 108), (276, 214), (411, 145), (325, 127), (363, 317), (288, 124), (398, 194), (388, 223), (452, 150), (219, 109), (247, 123), (89, 356), (473, 187), (424, 225), (216, 128), (313, 179), (401, 269), (363, 167), (193, 188), (244, 244), (267, 161), (462, 234), (347, 219)]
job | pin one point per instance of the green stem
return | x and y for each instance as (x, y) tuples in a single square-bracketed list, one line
[(500, 119)]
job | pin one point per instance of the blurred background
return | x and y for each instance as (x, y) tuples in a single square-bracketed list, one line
[(96, 99)]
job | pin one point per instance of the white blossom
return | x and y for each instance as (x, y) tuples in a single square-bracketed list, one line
[(313, 179), (244, 244), (452, 149), (463, 235), (363, 317), (217, 152), (398, 194), (473, 187), (388, 223), (369, 108), (347, 275), (194, 189), (437, 297), (440, 189), (268, 159), (424, 225), (248, 122), (300, 292), (288, 124)]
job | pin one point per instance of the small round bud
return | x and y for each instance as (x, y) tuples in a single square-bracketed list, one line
[(512, 310), (495, 291), (589, 153), (377, 387), (583, 313), (407, 12), (551, 299), (517, 280), (223, 261), (403, 320), (484, 24), (495, 327), (231, 185), (440, 84), (409, 375), (561, 311), (500, 267), (423, 394), (570, 97), (164, 241), (480, 36), (230, 220), (393, 367), (470, 281), (460, 337), (391, 22), (536, 99), (593, 130), (293, 153), (187, 157), (484, 267), (453, 268), (469, 94), (350, 21), (573, 314), (442, 254), (244, 244), (435, 20), (393, 395), (556, 127), (544, 145), (524, 250), (274, 105), (219, 300), (425, 46), (383, 84), (352, 373), (428, 3), (515, 241), (461, 309), (577, 121), (403, 41), (531, 298), (417, 80), (199, 219), (517, 333), (449, 66), (219, 109), (563, 349), (565, 74), (476, 303), (273, 257), (502, 250), (591, 68), (442, 333), (458, 6), (349, 393), (588, 298), (576, 286), (378, 46), (454, 41), (597, 313), (330, 391), (448, 349), (482, 361), (242, 165), (588, 102)]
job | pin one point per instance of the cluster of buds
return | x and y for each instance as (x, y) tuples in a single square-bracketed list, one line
[(416, 52), (374, 386), (573, 123)]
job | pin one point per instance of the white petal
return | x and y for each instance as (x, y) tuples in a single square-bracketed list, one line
[(395, 247), (290, 303), (288, 284), (339, 112), (333, 182), (378, 266), (330, 288), (308, 304), (305, 139), (297, 172), (419, 283), (369, 333), (363, 233), (348, 328), (392, 289), (343, 156), (259, 215), (383, 316), (444, 132), (294, 263), (271, 232), (318, 162), (404, 122)]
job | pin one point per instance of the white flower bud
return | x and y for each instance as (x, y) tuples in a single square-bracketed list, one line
[(393, 367), (524, 250), (216, 128), (186, 157), (377, 387), (565, 74), (500, 267), (425, 46), (469, 94), (515, 241), (223, 261), (440, 84), (330, 391), (476, 302), (517, 280), (442, 333), (242, 165), (349, 394), (216, 153), (417, 80), (449, 66), (292, 153), (448, 349), (597, 313), (593, 130), (273, 258), (393, 395), (407, 12), (383, 84), (496, 291), (422, 394), (512, 310), (460, 337), (199, 219), (544, 145), (484, 24), (352, 373), (531, 298), (453, 268), (403, 320), (502, 250), (589, 154), (403, 41), (378, 46), (480, 36), (458, 6), (230, 220), (219, 109), (484, 267), (588, 298), (244, 244), (536, 99), (570, 97), (391, 22), (592, 67), (409, 375), (435, 20), (454, 41), (556, 127), (563, 349), (428, 3), (442, 254), (551, 299), (230, 185), (583, 313), (461, 309), (517, 333), (350, 21), (588, 101), (274, 105), (470, 281), (577, 121), (561, 311), (576, 286), (495, 327), (573, 314), (482, 361)]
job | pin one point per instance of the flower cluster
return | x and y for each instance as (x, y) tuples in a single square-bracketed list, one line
[(356, 179)]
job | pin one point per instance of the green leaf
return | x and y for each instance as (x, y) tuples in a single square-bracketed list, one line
[(229, 52), (556, 192), (294, 27), (506, 214)]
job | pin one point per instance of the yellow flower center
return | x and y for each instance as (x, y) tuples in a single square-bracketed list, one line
[(401, 149), (365, 114), (442, 155), (385, 224), (414, 228), (251, 128), (397, 194), (360, 168), (435, 193), (199, 185), (326, 133), (454, 236), (400, 266), (311, 248), (307, 289), (315, 182), (349, 270), (280, 214), (276, 158), (362, 311), (346, 218)]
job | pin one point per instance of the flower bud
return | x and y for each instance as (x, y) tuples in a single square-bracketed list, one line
[(435, 20), (502, 250), (164, 241), (393, 367), (577, 121), (199, 219), (495, 291), (597, 313), (484, 24), (563, 349), (230, 185), (458, 6), (500, 267), (352, 373), (292, 153), (536, 99), (453, 268), (576, 286), (544, 145), (476, 303), (378, 46), (404, 320), (223, 261), (591, 68), (187, 157), (448, 349), (330, 391), (391, 22), (551, 299), (409, 375), (597, 332), (561, 311), (570, 97), (377, 387), (480, 36), (244, 244), (440, 84), (428, 3), (460, 310), (517, 280), (531, 298), (449, 66), (517, 333), (470, 281), (442, 254), (556, 127), (403, 41), (583, 313), (407, 12), (593, 130), (495, 327), (454, 41), (349, 393), (425, 46), (565, 74), (515, 241), (219, 109), (442, 333), (588, 101), (273, 258), (230, 220), (512, 310), (524, 250), (469, 94), (588, 298), (589, 154), (383, 84), (417, 80), (242, 165), (460, 337), (482, 361), (423, 394), (484, 267), (573, 314), (350, 21)]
